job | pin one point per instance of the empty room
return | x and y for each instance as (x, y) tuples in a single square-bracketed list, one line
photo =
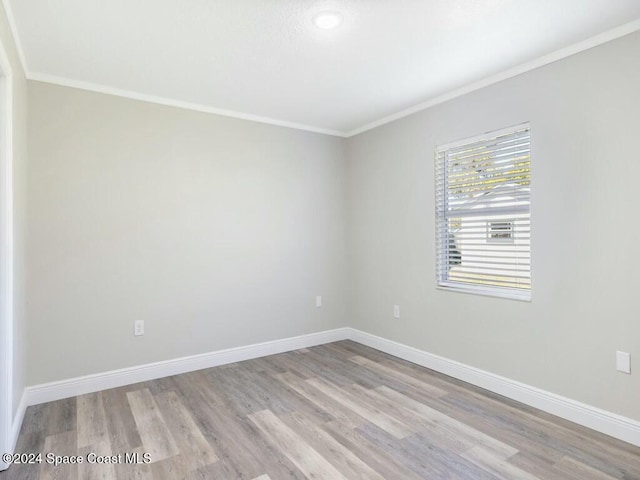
[(319, 239)]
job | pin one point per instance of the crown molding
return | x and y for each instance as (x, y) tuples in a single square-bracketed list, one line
[(592, 42), (94, 87), (560, 54)]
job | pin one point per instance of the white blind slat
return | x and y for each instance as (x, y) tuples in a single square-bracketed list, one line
[(483, 201)]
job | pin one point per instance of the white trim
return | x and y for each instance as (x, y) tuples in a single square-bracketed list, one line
[(491, 134), (17, 422), (592, 42), (13, 26), (617, 426), (94, 87), (49, 392), (6, 253), (496, 292)]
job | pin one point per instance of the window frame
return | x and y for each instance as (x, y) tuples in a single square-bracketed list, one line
[(445, 284)]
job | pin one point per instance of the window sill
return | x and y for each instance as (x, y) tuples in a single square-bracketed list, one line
[(509, 294)]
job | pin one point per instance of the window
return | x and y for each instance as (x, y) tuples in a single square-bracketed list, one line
[(483, 188)]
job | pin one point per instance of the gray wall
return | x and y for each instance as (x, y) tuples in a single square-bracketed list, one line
[(220, 232), (217, 232), (584, 114), (19, 207)]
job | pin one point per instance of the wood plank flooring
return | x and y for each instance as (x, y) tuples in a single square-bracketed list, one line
[(333, 412)]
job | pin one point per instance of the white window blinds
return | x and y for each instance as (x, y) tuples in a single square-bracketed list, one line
[(483, 199)]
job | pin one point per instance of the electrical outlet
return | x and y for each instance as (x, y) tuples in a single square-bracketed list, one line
[(319, 301), (623, 362), (138, 327), (396, 311)]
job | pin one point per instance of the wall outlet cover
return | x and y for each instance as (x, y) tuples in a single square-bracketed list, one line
[(138, 328), (623, 362)]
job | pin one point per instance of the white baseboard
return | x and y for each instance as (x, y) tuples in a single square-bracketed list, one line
[(617, 426), (49, 392), (17, 421)]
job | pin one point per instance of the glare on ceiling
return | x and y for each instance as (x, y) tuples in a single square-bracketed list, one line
[(328, 20)]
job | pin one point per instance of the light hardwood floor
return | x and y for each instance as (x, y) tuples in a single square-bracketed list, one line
[(337, 411)]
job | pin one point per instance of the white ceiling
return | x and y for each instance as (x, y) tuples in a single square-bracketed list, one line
[(266, 60)]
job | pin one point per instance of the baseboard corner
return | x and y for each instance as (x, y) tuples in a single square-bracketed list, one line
[(609, 423), (17, 420)]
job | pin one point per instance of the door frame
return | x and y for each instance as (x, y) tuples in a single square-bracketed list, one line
[(6, 256)]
